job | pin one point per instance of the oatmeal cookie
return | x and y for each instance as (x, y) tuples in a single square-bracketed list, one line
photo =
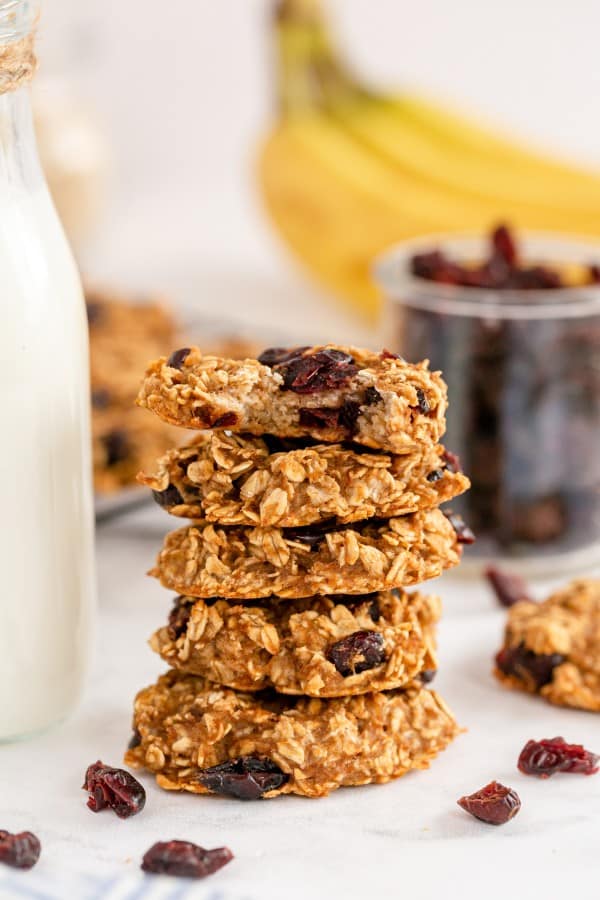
[(205, 739), (124, 335), (318, 646), (553, 648), (122, 441), (243, 563), (330, 393), (238, 479)]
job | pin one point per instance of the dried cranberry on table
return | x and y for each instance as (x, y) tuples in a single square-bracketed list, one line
[(114, 789), (494, 803), (548, 756), (184, 859), (19, 851), (246, 778), (508, 587), (357, 652)]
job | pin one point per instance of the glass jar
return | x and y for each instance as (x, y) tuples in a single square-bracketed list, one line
[(46, 551), (523, 375)]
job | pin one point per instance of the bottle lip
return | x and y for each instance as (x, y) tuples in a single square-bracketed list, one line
[(391, 271), (17, 19)]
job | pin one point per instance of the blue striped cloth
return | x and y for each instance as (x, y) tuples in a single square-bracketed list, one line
[(74, 885)]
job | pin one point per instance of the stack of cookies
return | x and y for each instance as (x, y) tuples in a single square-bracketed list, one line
[(299, 662)]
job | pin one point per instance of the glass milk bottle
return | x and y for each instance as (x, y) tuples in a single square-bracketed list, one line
[(46, 545)]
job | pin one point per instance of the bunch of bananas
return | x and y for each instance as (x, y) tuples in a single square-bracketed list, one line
[(347, 172)]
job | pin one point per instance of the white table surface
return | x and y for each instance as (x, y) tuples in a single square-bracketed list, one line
[(406, 839)]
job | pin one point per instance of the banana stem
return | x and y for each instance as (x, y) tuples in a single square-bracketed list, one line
[(310, 74)]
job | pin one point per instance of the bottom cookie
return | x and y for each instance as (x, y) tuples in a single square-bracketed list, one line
[(203, 739), (553, 648)]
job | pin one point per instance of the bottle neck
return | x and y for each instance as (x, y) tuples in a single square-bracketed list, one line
[(19, 162)]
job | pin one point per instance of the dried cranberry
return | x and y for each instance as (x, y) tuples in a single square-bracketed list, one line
[(464, 535), (509, 588), (100, 398), (114, 788), (501, 271), (539, 521), (435, 266), (503, 244), (357, 652), (435, 475), (179, 617), (178, 357), (312, 535), (20, 851), (247, 778), (274, 356), (387, 354), (494, 804), (452, 461), (116, 445), (533, 669), (372, 396), (316, 372), (348, 415), (424, 404), (135, 740), (168, 498), (227, 420), (94, 312), (319, 417), (184, 859), (549, 756), (285, 445), (427, 675)]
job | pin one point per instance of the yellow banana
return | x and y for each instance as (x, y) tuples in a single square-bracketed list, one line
[(346, 173)]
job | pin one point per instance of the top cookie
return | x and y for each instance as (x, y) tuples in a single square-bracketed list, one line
[(553, 648), (328, 392)]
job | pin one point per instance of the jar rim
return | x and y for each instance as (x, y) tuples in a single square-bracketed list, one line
[(391, 272)]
